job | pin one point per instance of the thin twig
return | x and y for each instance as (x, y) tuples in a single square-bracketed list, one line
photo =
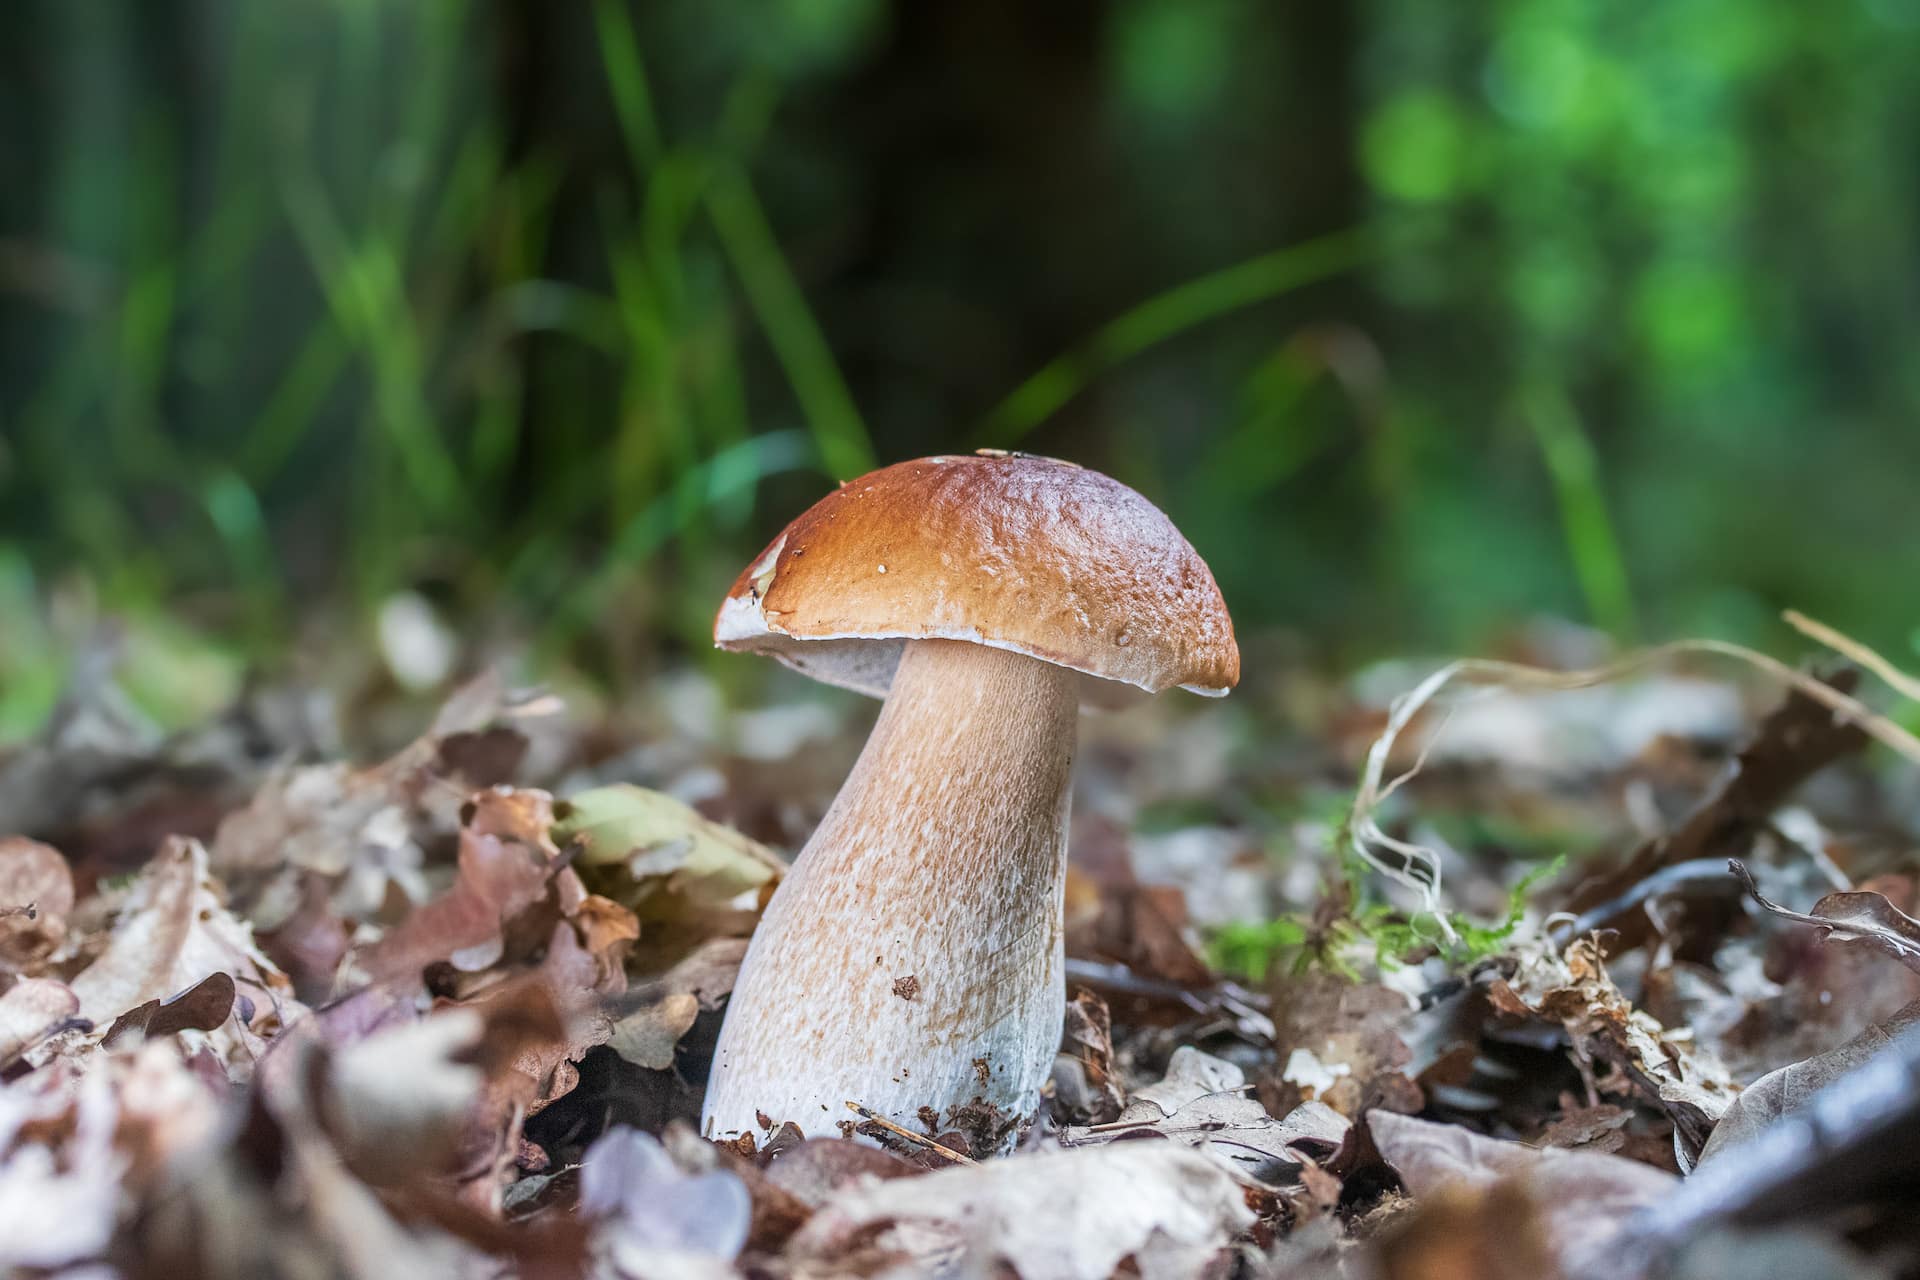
[(868, 1114)]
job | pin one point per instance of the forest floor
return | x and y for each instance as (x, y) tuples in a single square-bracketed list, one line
[(1527, 1012)]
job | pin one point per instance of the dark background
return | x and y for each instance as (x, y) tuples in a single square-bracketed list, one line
[(1421, 320)]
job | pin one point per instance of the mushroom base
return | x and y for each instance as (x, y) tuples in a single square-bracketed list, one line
[(911, 960)]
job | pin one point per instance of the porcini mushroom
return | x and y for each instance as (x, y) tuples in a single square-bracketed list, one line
[(912, 957)]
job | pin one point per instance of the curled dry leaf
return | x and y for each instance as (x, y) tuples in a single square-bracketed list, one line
[(173, 931), (1582, 1198), (364, 831), (1573, 989), (1789, 1089), (1064, 1214), (506, 861), (1202, 1103), (201, 1007), (1849, 917), (36, 896), (1086, 1088)]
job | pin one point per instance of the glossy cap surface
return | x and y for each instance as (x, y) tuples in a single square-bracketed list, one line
[(1022, 553)]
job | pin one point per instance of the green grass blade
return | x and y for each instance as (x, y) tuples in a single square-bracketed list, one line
[(627, 80), (1166, 316), (838, 431), (1575, 471)]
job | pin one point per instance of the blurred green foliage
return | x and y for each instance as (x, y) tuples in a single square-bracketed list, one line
[(1419, 319)]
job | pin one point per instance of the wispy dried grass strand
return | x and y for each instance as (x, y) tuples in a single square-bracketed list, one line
[(1417, 867)]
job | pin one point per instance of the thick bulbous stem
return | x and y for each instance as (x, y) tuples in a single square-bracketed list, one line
[(912, 958)]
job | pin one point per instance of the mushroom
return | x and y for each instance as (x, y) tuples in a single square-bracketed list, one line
[(912, 957)]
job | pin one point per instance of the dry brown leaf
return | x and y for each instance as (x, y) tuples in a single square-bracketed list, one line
[(36, 896), (1339, 1041), (815, 1169), (1849, 917), (364, 831), (647, 1037), (1787, 1090), (1572, 988), (172, 931), (506, 861), (201, 1007), (1086, 1087), (1582, 1198)]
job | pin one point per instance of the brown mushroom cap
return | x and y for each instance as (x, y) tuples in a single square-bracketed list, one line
[(1029, 554)]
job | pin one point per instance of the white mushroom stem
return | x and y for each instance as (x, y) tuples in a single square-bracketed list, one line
[(912, 957)]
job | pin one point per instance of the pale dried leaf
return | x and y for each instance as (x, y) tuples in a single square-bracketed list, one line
[(57, 1207), (1787, 1090), (1573, 989), (36, 896), (1235, 1129), (664, 846), (396, 1101), (1582, 1198), (31, 1010), (173, 930), (1062, 1214), (647, 1037), (647, 1212)]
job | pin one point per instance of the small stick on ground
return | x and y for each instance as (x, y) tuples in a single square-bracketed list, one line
[(875, 1117)]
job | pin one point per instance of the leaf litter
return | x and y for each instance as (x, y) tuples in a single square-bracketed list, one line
[(451, 1013)]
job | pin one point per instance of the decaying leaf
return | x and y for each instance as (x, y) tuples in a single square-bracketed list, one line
[(1340, 1042), (506, 862), (665, 851), (201, 1007), (1065, 1214), (57, 1207), (1582, 1199), (1086, 1089), (31, 1010), (1224, 1121), (36, 896), (1121, 920), (364, 831), (172, 933), (1573, 989), (1849, 917), (652, 1219), (647, 1037), (395, 1102), (1789, 1089)]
